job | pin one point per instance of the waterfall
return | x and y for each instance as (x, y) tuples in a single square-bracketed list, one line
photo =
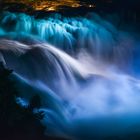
[(83, 69), (69, 34)]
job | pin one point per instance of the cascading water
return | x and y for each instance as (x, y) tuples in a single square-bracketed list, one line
[(83, 68)]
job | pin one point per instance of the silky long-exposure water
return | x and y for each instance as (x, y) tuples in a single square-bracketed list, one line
[(84, 69)]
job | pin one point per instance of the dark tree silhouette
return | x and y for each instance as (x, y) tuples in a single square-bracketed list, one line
[(17, 122)]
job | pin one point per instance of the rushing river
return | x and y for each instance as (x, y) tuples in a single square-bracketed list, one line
[(85, 70)]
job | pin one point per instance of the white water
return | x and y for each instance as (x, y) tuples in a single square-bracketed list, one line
[(84, 77)]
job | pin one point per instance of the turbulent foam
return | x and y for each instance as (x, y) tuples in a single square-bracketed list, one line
[(69, 34)]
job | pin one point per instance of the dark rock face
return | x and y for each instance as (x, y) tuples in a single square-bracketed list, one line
[(15, 7), (16, 121)]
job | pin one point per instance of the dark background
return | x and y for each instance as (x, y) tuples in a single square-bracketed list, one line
[(128, 11)]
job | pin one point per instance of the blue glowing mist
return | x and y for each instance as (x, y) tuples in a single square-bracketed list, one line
[(83, 69)]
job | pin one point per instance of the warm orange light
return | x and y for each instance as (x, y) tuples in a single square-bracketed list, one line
[(54, 5), (51, 5)]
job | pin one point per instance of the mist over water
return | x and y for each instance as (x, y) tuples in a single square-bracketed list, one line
[(84, 69)]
